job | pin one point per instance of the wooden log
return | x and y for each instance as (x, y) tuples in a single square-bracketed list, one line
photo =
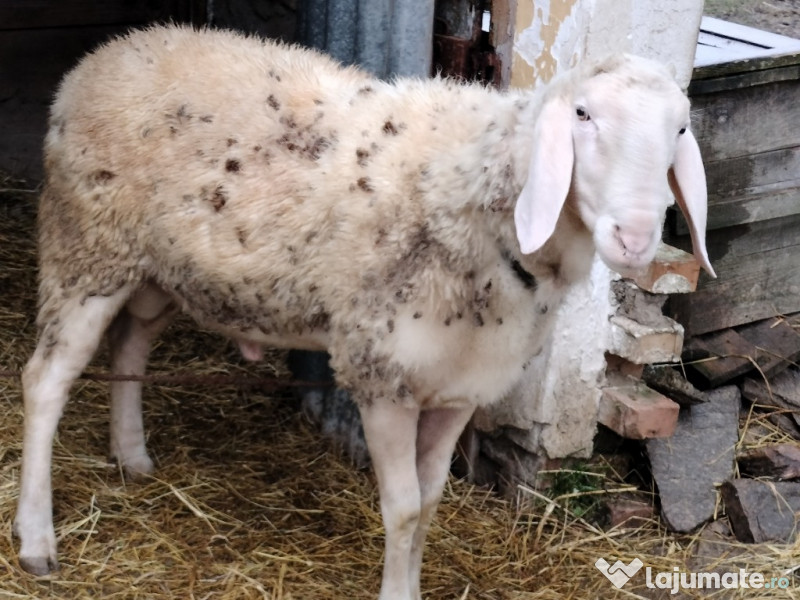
[(762, 511)]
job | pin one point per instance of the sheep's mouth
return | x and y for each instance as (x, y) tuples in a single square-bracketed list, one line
[(624, 261)]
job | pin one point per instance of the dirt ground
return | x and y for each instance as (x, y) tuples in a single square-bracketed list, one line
[(777, 16)]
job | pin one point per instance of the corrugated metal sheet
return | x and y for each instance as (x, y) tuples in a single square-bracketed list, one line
[(386, 37)]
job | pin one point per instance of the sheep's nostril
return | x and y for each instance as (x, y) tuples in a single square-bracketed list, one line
[(634, 242)]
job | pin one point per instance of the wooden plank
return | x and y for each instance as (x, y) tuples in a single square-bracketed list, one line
[(757, 265), (753, 174), (751, 209), (777, 344), (749, 121), (729, 212), (749, 78), (722, 44), (772, 345), (719, 356)]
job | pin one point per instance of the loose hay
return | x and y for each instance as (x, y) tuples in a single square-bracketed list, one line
[(249, 502)]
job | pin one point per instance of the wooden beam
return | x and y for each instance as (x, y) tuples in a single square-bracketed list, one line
[(719, 357), (770, 345), (757, 265)]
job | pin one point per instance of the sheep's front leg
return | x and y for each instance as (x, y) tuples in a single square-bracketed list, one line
[(437, 435), (391, 433), (130, 337)]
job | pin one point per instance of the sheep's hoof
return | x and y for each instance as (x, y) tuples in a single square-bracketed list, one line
[(39, 565), (38, 554), (136, 468)]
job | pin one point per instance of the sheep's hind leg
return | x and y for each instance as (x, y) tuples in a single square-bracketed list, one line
[(437, 435), (391, 433), (130, 337), (67, 342)]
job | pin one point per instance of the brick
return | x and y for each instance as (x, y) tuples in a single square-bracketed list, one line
[(635, 411), (661, 341), (627, 512), (672, 271), (622, 366)]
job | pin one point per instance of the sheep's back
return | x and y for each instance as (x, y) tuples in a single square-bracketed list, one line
[(230, 160)]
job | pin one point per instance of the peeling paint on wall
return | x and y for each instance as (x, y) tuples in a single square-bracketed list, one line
[(550, 38), (553, 35)]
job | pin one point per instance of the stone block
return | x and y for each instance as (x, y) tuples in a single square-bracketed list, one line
[(762, 511), (699, 456), (781, 461), (672, 384)]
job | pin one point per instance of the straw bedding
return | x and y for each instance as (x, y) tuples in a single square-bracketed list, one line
[(250, 502)]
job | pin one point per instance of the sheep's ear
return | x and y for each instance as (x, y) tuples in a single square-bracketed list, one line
[(687, 179), (549, 176)]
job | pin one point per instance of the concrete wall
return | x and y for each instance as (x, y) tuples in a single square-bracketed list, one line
[(553, 412), (552, 35)]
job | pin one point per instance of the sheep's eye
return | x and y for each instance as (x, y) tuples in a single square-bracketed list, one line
[(582, 114), (682, 131)]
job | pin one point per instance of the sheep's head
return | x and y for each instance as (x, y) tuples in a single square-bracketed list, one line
[(617, 140)]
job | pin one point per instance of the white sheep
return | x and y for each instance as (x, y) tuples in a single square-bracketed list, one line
[(422, 232)]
